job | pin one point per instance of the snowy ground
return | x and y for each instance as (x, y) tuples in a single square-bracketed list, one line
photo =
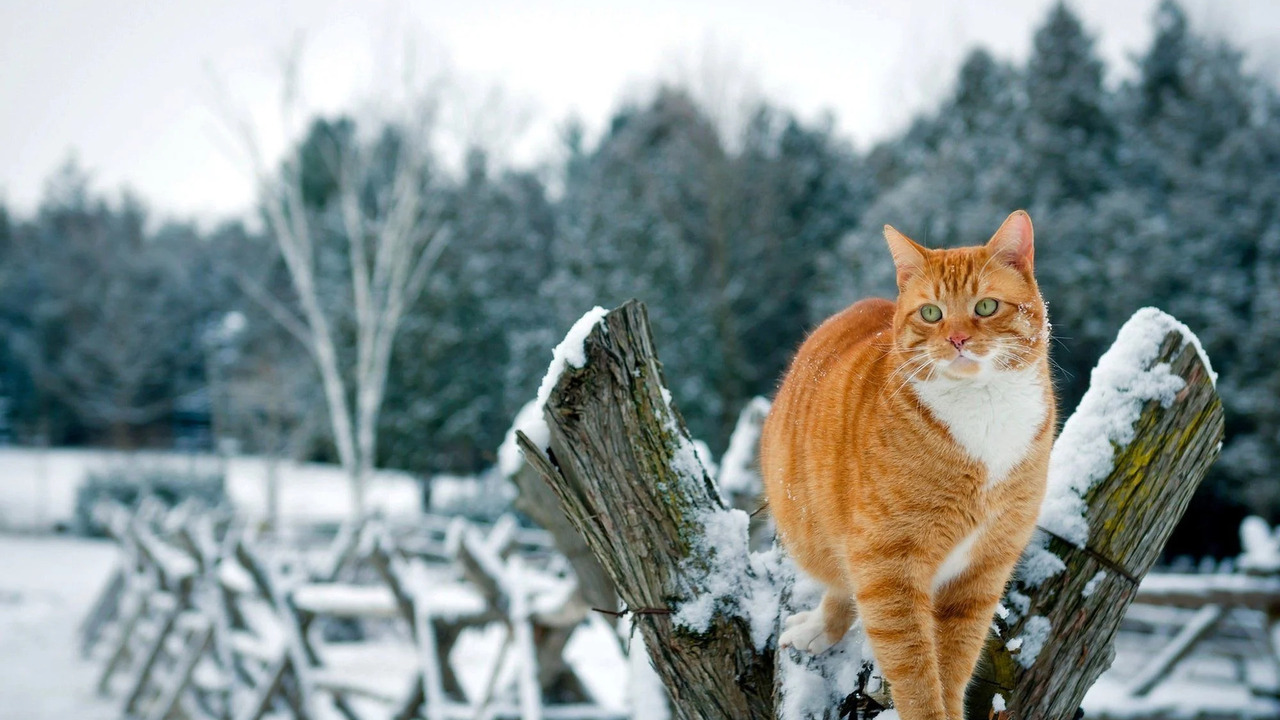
[(38, 486), (47, 584), (46, 587), (1213, 681)]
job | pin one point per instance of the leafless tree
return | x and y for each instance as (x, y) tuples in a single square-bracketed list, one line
[(725, 86), (393, 232)]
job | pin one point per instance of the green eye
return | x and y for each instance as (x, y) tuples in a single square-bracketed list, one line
[(986, 306), (931, 313)]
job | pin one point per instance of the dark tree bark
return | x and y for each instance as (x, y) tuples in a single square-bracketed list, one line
[(613, 464)]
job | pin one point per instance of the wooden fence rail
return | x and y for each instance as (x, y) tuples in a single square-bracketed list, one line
[(201, 623)]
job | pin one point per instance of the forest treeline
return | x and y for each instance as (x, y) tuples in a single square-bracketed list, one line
[(1162, 189)]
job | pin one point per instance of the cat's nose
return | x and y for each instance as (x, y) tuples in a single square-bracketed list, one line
[(957, 340)]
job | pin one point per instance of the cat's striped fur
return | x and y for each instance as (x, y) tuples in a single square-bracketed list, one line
[(905, 461)]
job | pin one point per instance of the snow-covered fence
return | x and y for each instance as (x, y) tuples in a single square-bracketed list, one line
[(1200, 619), (154, 632), (630, 480), (206, 621)]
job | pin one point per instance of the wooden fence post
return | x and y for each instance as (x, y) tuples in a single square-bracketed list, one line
[(619, 462), (1130, 514)]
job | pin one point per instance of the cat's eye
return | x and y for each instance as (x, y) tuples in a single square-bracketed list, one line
[(931, 313), (986, 307)]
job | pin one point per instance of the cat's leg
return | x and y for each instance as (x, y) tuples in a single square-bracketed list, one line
[(897, 613), (816, 630), (963, 609)]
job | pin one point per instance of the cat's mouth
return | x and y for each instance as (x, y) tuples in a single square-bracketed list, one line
[(964, 364)]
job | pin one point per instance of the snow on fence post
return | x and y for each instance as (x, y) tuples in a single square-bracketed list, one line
[(621, 463), (1123, 471)]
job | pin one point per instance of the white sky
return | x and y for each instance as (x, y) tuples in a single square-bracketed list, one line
[(131, 87)]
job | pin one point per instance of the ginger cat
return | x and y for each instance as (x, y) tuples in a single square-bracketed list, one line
[(905, 460)]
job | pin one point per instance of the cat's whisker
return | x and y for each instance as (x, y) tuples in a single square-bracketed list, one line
[(1014, 353), (1054, 364), (921, 355), (906, 379), (913, 376), (906, 371), (913, 354)]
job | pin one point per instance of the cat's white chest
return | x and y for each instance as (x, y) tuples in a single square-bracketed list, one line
[(994, 419)]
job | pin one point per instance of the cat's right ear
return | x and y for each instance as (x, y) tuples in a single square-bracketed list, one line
[(1014, 242), (907, 255)]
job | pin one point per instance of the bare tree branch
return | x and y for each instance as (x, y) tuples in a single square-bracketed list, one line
[(392, 245)]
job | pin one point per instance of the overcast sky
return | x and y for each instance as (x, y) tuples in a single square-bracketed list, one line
[(131, 87)]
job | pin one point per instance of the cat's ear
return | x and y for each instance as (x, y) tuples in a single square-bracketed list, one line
[(1014, 242), (907, 255)]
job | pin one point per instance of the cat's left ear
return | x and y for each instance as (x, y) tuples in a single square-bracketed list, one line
[(908, 257), (1014, 242)]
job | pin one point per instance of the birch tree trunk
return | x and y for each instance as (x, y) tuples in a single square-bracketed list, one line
[(392, 243), (615, 462)]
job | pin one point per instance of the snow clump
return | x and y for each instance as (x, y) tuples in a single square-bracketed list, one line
[(738, 475), (571, 352), (1119, 387), (1261, 546), (1032, 640), (1092, 586), (736, 581)]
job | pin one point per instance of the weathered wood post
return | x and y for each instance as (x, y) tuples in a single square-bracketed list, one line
[(619, 459), (620, 462)]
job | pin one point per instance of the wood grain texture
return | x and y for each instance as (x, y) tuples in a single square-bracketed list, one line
[(613, 464)]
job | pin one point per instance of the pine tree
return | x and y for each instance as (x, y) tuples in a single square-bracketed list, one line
[(102, 316), (640, 218), (1071, 135), (798, 191), (477, 343)]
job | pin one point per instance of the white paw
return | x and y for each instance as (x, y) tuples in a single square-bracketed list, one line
[(806, 631)]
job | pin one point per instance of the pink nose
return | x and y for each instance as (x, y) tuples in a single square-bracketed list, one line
[(957, 340)]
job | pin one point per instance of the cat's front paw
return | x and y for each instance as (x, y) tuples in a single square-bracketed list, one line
[(806, 631)]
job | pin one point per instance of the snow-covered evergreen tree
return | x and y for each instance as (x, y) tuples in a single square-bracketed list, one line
[(101, 316), (476, 344)]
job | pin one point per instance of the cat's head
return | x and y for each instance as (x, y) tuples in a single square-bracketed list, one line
[(969, 312)]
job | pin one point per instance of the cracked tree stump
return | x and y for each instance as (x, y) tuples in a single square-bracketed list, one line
[(614, 461)]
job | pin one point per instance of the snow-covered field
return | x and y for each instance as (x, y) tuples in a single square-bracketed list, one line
[(46, 587), (38, 486), (47, 584)]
